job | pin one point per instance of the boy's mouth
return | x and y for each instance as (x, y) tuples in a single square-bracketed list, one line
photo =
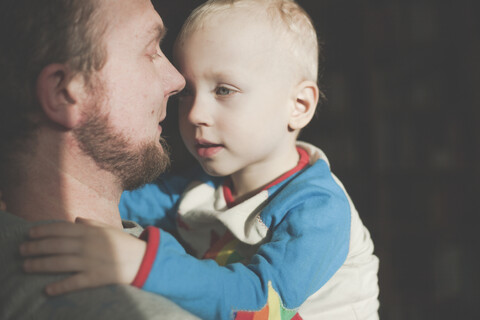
[(206, 149)]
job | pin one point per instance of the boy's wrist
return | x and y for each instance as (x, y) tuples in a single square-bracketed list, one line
[(152, 237)]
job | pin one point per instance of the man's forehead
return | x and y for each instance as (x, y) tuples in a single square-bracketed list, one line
[(138, 16)]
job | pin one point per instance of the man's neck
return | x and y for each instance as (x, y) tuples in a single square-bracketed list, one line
[(59, 182)]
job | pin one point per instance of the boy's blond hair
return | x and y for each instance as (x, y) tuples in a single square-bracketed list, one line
[(290, 21)]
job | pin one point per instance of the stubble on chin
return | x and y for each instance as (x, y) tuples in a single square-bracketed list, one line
[(133, 165)]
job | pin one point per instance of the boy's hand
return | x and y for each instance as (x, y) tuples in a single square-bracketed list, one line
[(97, 253)]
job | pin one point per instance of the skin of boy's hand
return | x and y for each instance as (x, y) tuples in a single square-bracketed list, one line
[(97, 254)]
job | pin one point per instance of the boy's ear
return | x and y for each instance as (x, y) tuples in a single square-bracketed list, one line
[(306, 99), (58, 94)]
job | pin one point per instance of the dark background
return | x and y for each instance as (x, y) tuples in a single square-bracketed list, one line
[(401, 131)]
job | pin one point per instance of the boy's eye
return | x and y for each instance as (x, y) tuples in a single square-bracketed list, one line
[(223, 91)]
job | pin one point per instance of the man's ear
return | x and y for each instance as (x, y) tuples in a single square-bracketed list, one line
[(58, 94), (306, 99)]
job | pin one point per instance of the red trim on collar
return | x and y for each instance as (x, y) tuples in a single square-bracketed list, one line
[(302, 163), (152, 236), (227, 192)]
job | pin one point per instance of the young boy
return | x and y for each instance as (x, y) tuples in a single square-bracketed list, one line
[(270, 232)]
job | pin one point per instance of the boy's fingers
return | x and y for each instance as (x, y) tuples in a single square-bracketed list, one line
[(75, 282), (57, 229), (50, 246), (53, 264)]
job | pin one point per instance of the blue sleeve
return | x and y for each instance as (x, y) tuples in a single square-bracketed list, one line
[(155, 204), (306, 248)]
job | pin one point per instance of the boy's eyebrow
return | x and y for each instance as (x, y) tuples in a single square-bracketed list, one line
[(225, 75)]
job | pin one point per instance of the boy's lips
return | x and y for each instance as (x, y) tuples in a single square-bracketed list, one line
[(206, 149)]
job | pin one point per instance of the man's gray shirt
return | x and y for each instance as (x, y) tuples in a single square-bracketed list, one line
[(22, 295)]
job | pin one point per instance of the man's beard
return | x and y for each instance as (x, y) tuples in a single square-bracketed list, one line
[(134, 166)]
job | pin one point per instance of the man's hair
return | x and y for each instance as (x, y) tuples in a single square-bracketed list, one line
[(293, 24), (34, 34)]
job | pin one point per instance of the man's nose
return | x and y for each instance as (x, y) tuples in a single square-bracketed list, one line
[(175, 82)]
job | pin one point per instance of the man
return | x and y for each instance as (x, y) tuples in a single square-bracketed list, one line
[(83, 90)]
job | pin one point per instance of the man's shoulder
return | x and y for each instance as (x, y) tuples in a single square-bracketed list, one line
[(13, 229), (10, 220), (22, 295), (111, 302)]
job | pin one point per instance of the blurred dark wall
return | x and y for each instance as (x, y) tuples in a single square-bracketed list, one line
[(401, 131)]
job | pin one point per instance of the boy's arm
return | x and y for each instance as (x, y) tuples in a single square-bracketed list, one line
[(306, 249), (301, 257), (155, 204)]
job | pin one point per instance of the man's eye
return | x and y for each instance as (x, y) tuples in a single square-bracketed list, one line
[(223, 91), (155, 55)]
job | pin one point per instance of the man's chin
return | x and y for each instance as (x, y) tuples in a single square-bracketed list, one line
[(134, 166), (153, 160)]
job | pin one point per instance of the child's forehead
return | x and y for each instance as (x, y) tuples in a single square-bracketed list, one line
[(241, 30), (224, 51), (281, 24), (241, 20)]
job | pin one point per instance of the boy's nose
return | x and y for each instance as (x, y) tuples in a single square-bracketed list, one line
[(199, 114)]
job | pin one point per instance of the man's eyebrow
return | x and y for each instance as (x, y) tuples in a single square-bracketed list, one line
[(155, 35), (159, 31)]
